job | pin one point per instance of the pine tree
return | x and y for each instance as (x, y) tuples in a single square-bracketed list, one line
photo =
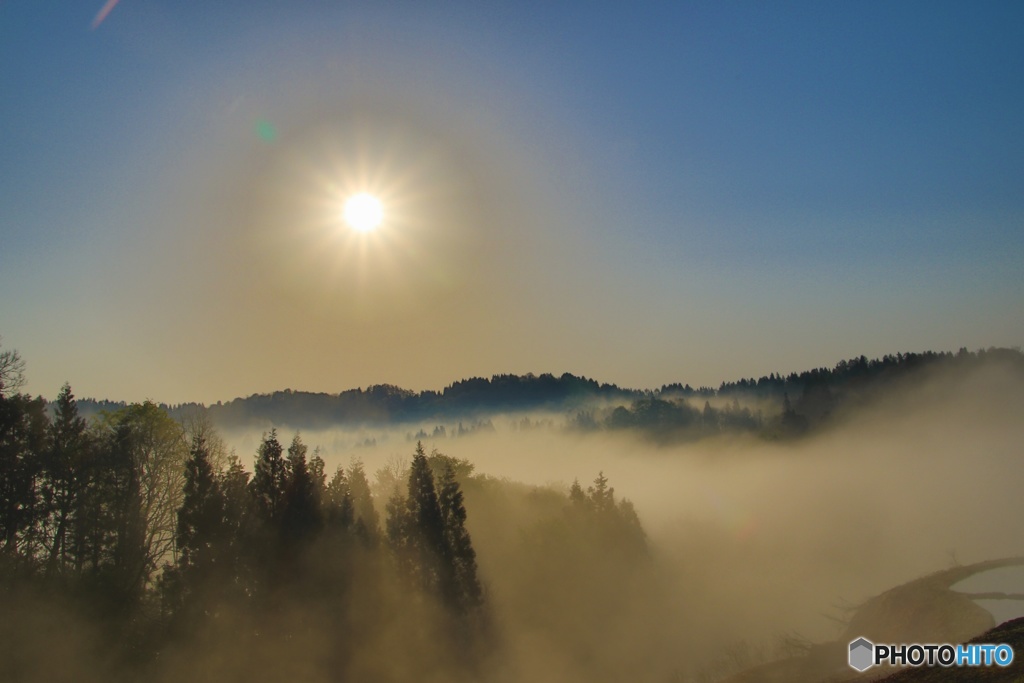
[(263, 555), (426, 523), (234, 483), (318, 476), (118, 531), (239, 513), (464, 593), (577, 497), (300, 514), (366, 518), (601, 496), (23, 426), (65, 477), (338, 501), (415, 529), (201, 524), (270, 479), (605, 520), (398, 528)]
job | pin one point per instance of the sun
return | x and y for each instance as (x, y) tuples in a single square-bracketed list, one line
[(363, 212)]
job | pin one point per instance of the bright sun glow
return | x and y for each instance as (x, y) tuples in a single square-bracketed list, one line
[(363, 212)]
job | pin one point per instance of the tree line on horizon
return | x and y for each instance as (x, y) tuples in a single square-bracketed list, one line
[(773, 406), (783, 407)]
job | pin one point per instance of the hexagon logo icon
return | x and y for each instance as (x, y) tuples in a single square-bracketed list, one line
[(862, 653)]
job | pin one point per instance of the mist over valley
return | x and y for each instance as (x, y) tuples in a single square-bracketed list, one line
[(685, 534)]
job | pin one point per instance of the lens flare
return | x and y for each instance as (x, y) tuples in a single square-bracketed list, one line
[(102, 14)]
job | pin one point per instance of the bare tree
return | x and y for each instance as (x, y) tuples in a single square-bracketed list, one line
[(196, 422), (147, 476), (12, 372)]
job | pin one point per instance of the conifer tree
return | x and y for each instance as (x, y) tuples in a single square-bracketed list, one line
[(239, 508), (201, 526), (577, 497), (601, 495), (300, 514), (464, 593), (23, 425), (426, 524), (366, 518), (270, 478), (318, 476), (65, 477), (416, 529), (338, 501)]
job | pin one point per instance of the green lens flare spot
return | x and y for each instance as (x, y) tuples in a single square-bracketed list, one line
[(266, 131)]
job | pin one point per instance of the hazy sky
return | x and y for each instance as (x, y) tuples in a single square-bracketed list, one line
[(637, 192)]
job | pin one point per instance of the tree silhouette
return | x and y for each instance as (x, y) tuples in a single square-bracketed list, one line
[(239, 522), (269, 479), (463, 593), (300, 517), (201, 523), (65, 477), (12, 372), (366, 518), (338, 508), (423, 542), (138, 490), (23, 426)]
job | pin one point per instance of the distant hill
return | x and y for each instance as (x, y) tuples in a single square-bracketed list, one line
[(773, 406), (384, 403)]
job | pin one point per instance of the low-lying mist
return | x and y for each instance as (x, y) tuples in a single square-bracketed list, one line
[(512, 546), (750, 541)]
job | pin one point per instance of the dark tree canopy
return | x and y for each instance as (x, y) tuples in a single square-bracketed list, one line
[(270, 478)]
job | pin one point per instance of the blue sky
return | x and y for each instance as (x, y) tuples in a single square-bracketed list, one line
[(644, 194)]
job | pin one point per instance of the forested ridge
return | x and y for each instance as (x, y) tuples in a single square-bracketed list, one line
[(772, 406)]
